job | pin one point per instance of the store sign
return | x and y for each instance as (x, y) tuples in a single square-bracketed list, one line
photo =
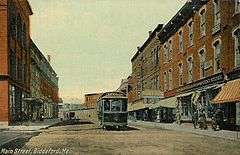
[(204, 82), (238, 113)]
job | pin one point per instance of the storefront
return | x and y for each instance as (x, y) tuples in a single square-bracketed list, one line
[(197, 96), (228, 99), (165, 110), (138, 110)]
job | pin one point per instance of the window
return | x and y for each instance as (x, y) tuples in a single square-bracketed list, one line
[(170, 79), (12, 20), (166, 58), (12, 64), (190, 27), (190, 69), (106, 105), (170, 50), (202, 63), (180, 34), (216, 12), (116, 106), (19, 30), (237, 6), (237, 46), (155, 56), (165, 81), (202, 22), (180, 74), (217, 56)]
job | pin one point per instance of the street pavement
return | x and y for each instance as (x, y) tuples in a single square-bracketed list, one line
[(25, 130), (187, 127)]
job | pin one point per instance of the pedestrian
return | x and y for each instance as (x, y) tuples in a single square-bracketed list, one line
[(195, 119), (178, 117), (202, 120), (219, 118)]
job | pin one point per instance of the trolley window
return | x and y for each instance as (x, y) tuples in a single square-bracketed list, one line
[(124, 105), (106, 105), (116, 105)]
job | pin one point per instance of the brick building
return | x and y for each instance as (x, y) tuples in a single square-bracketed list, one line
[(44, 86), (15, 59), (199, 52), (91, 100), (145, 80)]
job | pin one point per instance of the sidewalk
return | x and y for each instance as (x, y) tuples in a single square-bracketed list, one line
[(187, 127), (31, 126)]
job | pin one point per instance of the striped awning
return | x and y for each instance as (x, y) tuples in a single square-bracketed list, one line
[(230, 93)]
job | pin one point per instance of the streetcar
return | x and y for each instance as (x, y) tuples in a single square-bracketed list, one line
[(112, 110)]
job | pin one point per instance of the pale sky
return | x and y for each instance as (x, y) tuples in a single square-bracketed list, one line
[(92, 41)]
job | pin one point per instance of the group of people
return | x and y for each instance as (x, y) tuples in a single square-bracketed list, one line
[(201, 119)]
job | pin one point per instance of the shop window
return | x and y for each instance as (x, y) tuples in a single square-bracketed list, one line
[(190, 28), (180, 34), (237, 47), (217, 56), (203, 22), (190, 69), (170, 79), (202, 63), (180, 66), (237, 6)]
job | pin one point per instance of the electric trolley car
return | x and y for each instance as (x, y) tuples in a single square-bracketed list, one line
[(112, 110)]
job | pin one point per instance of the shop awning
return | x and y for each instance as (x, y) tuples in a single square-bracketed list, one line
[(137, 106), (167, 103), (186, 94), (230, 93)]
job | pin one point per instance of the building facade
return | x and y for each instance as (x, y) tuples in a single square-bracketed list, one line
[(44, 86), (91, 100), (144, 81), (199, 52), (15, 59)]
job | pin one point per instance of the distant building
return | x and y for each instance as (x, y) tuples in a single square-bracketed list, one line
[(15, 60), (123, 86), (144, 82), (91, 100), (44, 86)]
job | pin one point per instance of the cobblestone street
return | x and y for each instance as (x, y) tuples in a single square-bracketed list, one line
[(89, 139)]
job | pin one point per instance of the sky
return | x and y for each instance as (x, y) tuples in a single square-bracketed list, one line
[(91, 42)]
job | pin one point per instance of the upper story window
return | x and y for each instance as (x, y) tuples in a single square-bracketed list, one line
[(217, 56), (170, 81), (180, 66), (203, 22), (202, 63), (237, 6), (190, 28), (165, 78), (190, 69), (180, 34), (19, 30), (236, 35), (216, 12), (156, 56), (12, 19), (170, 50), (165, 48)]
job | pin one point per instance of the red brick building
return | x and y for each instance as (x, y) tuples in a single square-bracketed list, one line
[(200, 50), (91, 100), (14, 57)]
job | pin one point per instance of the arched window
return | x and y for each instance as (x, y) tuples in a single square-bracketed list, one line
[(217, 56), (202, 22), (170, 79), (236, 35), (202, 57), (190, 69), (180, 66)]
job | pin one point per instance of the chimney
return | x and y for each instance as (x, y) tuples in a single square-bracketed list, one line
[(49, 58), (149, 32), (138, 48)]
